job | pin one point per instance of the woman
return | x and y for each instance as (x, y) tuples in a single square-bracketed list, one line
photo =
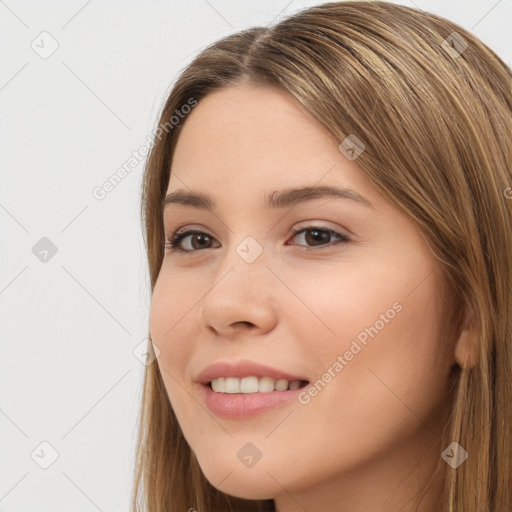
[(327, 213)]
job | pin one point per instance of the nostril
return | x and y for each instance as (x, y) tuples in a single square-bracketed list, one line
[(244, 322)]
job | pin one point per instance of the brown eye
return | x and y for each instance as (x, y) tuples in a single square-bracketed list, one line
[(198, 240), (319, 237)]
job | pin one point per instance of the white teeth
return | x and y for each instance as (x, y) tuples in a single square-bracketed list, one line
[(281, 385), (232, 385), (266, 385), (218, 384), (252, 385), (249, 385)]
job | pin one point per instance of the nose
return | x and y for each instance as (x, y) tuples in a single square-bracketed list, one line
[(240, 299)]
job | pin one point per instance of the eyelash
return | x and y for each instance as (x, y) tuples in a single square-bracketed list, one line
[(172, 244)]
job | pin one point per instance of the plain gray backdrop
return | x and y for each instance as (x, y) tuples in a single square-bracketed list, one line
[(81, 86)]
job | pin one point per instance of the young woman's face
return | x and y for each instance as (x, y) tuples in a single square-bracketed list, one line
[(351, 304)]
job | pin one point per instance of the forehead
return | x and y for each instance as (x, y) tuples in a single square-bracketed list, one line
[(258, 137)]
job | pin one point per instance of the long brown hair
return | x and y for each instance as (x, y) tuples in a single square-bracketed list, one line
[(433, 106)]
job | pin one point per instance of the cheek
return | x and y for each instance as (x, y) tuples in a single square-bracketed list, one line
[(173, 298), (377, 344), (330, 308), (395, 364), (169, 325)]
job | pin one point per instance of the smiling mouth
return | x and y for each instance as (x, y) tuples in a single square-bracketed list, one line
[(248, 385)]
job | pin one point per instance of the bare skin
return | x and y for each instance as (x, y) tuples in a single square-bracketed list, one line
[(369, 439)]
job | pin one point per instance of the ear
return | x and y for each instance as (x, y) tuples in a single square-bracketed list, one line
[(466, 347)]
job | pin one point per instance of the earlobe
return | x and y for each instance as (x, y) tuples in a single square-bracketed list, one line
[(466, 348)]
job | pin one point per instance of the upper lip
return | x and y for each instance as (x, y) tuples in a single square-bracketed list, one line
[(243, 369)]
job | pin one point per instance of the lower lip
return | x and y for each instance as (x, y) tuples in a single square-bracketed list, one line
[(237, 405)]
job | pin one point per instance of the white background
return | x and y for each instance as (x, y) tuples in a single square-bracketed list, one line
[(69, 326)]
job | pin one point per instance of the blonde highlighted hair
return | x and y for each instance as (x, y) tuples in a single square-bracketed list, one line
[(435, 117)]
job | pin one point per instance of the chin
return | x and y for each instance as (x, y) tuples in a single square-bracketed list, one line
[(240, 481)]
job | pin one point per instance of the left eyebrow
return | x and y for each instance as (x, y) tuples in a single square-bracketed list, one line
[(277, 199)]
